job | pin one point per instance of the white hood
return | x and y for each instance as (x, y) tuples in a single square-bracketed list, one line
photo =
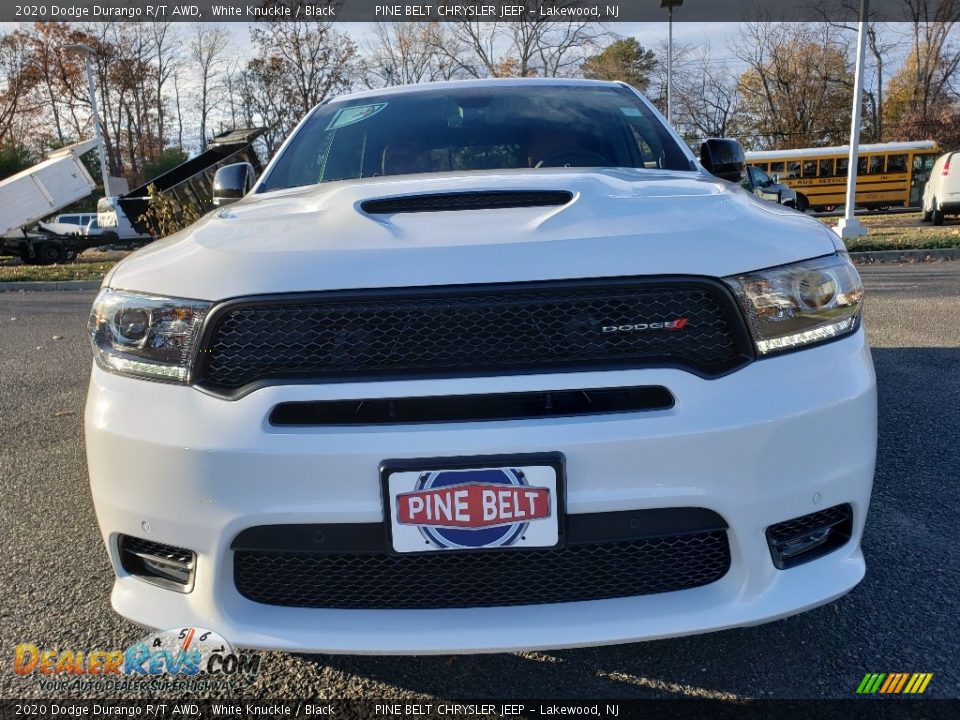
[(619, 223)]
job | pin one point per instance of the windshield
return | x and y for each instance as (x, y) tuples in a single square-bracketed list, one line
[(482, 128)]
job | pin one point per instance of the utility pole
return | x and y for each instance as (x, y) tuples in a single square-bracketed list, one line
[(88, 53), (670, 5), (849, 226)]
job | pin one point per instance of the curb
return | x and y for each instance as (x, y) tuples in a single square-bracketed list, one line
[(49, 285), (888, 256)]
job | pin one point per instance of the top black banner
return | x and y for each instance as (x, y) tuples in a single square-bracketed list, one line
[(606, 11)]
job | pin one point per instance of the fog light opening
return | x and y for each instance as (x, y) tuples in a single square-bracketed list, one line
[(167, 566), (809, 537)]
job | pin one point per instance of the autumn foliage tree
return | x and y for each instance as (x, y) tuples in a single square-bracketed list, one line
[(923, 100), (18, 78), (297, 66), (798, 88)]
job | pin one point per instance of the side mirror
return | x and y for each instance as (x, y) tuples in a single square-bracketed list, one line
[(723, 158), (232, 182)]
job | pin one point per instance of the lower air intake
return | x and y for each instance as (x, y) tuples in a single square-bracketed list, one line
[(157, 563), (808, 537), (611, 564)]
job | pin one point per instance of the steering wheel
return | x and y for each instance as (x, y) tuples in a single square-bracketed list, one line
[(574, 158)]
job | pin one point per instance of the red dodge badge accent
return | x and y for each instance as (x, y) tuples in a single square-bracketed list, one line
[(473, 505)]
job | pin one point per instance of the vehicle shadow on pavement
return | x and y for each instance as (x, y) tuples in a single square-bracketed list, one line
[(901, 617)]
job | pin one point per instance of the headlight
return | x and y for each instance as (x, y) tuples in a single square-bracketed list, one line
[(144, 335), (801, 304)]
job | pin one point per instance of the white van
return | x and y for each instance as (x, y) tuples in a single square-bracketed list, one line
[(941, 195), (79, 219)]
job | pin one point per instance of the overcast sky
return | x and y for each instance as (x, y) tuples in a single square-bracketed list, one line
[(647, 34)]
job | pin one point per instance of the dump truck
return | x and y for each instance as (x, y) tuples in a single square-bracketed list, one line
[(190, 184), (37, 193)]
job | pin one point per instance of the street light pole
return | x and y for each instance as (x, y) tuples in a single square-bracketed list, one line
[(670, 65), (670, 5), (88, 53), (849, 226)]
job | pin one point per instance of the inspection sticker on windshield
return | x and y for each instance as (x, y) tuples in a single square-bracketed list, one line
[(351, 115), (631, 112)]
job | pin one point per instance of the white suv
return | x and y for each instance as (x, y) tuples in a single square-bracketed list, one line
[(476, 367), (941, 194)]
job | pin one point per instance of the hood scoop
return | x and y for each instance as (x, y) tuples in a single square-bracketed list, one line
[(445, 202)]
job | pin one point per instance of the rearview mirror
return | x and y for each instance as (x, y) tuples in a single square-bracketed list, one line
[(723, 158), (232, 182)]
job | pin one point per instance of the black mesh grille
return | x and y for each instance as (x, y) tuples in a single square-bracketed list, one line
[(798, 526), (128, 543), (589, 571), (480, 330), (467, 201)]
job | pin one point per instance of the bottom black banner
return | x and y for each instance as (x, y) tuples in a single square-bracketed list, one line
[(883, 709)]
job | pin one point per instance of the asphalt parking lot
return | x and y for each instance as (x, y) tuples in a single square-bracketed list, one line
[(55, 580)]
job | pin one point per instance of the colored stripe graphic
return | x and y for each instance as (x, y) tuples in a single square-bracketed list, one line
[(903, 681), (870, 683), (918, 683), (894, 683), (892, 679)]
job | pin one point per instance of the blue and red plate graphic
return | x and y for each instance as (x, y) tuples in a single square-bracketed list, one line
[(473, 509)]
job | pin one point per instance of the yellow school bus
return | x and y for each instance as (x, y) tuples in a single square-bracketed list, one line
[(888, 174)]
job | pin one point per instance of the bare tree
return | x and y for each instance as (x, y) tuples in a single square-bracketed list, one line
[(315, 59), (403, 53), (167, 47), (208, 46), (533, 46), (176, 97), (262, 96), (708, 98), (657, 90)]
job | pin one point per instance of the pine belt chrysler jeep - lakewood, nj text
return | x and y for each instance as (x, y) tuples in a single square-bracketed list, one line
[(476, 367)]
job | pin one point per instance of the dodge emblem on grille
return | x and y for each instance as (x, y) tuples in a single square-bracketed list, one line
[(641, 327)]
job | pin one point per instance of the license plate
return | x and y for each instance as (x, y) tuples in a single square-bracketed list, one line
[(435, 509)]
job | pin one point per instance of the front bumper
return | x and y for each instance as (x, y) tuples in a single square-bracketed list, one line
[(783, 437)]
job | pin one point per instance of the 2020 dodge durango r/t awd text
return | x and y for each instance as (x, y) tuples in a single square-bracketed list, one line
[(476, 367)]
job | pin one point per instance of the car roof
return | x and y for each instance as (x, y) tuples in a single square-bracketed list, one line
[(484, 82)]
